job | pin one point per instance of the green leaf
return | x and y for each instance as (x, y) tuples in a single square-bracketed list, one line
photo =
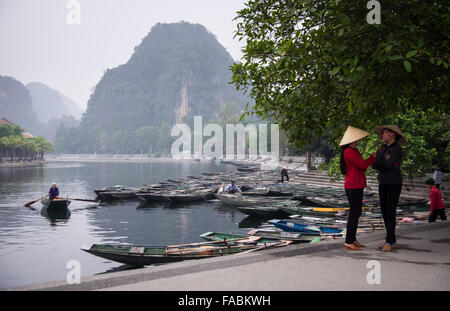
[(335, 71), (388, 48), (390, 37), (350, 107), (407, 65), (411, 53), (421, 42), (395, 57)]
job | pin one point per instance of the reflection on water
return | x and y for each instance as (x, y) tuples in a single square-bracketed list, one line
[(36, 249)]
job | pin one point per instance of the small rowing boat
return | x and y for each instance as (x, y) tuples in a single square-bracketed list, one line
[(238, 199), (116, 193), (56, 208), (291, 226), (140, 256), (266, 237), (188, 195), (269, 210)]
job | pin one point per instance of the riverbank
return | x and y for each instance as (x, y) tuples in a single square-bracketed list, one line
[(420, 262), (293, 163), (116, 158), (14, 164)]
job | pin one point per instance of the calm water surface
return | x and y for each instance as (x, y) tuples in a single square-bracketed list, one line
[(34, 249)]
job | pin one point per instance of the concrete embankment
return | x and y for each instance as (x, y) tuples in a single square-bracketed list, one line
[(13, 164), (421, 261)]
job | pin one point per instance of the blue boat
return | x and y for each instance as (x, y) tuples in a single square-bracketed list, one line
[(291, 226)]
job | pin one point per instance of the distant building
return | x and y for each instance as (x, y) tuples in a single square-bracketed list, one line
[(25, 134), (4, 121)]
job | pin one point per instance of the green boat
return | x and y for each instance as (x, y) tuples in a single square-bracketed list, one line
[(140, 256), (247, 200), (269, 210), (265, 237)]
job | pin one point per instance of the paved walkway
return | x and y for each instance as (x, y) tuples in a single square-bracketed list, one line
[(421, 262)]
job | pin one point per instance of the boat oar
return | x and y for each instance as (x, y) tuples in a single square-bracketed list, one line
[(84, 200), (32, 202)]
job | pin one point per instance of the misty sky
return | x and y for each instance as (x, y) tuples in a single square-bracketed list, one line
[(38, 44)]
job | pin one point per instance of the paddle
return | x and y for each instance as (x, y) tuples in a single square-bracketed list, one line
[(32, 202), (84, 200)]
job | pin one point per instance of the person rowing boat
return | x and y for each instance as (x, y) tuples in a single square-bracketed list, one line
[(53, 193)]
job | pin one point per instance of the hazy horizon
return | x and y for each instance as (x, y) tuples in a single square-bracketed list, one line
[(39, 45)]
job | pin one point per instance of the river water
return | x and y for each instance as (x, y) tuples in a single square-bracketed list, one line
[(34, 249)]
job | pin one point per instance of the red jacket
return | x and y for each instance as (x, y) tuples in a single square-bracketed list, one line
[(435, 199), (356, 166)]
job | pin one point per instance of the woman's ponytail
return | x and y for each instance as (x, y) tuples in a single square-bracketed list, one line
[(342, 160)]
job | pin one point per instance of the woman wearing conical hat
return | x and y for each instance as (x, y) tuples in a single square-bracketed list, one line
[(388, 163), (354, 167)]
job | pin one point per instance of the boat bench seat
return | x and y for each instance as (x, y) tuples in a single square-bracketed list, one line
[(137, 250)]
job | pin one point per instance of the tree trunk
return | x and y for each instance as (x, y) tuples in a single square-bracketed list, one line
[(308, 161)]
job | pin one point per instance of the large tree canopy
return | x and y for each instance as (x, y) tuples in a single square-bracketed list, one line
[(318, 65)]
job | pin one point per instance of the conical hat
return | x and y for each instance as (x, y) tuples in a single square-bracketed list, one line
[(352, 134), (380, 129)]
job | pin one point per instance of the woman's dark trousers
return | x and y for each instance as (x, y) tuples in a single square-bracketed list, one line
[(436, 213), (355, 197), (389, 196)]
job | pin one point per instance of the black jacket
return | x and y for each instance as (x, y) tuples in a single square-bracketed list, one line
[(389, 171)]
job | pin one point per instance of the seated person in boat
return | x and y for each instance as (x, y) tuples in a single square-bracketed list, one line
[(232, 188), (53, 193)]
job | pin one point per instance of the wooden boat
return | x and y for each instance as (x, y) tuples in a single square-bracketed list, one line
[(154, 196), (122, 195), (256, 191), (291, 226), (265, 237), (55, 209), (188, 195), (295, 237), (194, 195), (307, 210), (338, 209), (238, 199), (329, 202), (267, 210), (260, 211), (148, 255), (116, 193), (245, 168)]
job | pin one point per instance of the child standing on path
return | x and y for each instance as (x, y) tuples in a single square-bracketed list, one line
[(437, 207)]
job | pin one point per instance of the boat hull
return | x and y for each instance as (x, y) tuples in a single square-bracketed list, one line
[(291, 226), (243, 200), (55, 209), (140, 256)]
